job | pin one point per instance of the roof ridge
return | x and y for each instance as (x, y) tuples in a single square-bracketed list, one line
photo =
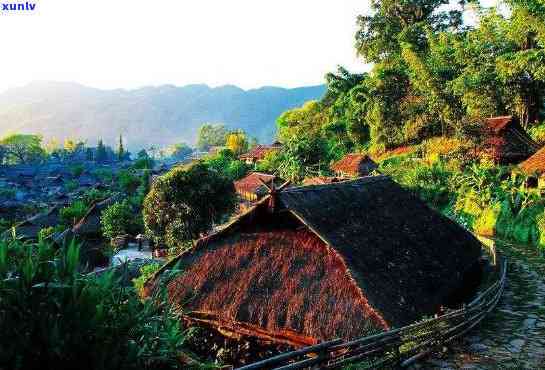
[(364, 180)]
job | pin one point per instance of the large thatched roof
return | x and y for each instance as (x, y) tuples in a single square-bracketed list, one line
[(394, 259)]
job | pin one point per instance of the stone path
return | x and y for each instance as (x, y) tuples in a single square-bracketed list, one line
[(130, 254), (513, 335)]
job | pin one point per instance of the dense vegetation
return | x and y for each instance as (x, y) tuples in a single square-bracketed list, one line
[(432, 76), (434, 79), (53, 315), (185, 203)]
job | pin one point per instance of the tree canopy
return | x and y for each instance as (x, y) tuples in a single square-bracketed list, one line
[(432, 75), (211, 135), (186, 202), (22, 148)]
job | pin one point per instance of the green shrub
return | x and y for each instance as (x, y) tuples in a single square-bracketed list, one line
[(485, 224), (146, 272), (74, 213), (118, 219), (105, 175), (77, 170), (7, 193), (54, 316), (46, 233), (128, 182), (538, 133), (541, 229), (92, 196), (71, 185), (144, 163)]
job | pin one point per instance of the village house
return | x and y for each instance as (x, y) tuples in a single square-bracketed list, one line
[(30, 228), (354, 165), (259, 152), (313, 263), (506, 141), (255, 186), (535, 166), (319, 180)]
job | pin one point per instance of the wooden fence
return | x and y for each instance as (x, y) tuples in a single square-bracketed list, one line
[(398, 347)]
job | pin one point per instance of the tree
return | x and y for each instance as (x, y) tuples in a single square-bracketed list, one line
[(52, 146), (101, 152), (2, 154), (394, 22), (179, 151), (142, 154), (186, 202), (120, 149), (211, 135), (226, 163), (237, 142), (21, 148), (117, 220)]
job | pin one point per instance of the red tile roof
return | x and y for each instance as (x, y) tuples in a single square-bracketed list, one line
[(497, 124), (253, 182), (260, 151), (535, 164)]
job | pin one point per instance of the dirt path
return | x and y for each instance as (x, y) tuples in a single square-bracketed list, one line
[(513, 335)]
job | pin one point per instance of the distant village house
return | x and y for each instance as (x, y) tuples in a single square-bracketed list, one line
[(259, 152), (254, 186), (535, 166), (354, 165), (506, 141)]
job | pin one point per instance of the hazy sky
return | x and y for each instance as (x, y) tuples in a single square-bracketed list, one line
[(134, 43)]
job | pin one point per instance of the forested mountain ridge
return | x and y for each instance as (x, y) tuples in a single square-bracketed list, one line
[(151, 115)]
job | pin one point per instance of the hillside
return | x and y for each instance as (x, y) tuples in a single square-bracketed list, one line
[(152, 115)]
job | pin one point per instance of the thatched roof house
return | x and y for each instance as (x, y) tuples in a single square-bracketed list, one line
[(354, 165), (258, 153), (252, 187), (319, 262), (506, 141), (535, 165), (30, 228)]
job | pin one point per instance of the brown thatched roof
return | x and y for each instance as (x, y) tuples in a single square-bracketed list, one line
[(535, 164), (336, 260), (354, 165), (507, 141)]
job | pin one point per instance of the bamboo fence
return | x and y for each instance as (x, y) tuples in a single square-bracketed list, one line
[(399, 347)]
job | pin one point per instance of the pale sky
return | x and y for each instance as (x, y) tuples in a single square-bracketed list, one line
[(135, 43)]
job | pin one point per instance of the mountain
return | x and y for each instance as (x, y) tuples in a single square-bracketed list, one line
[(151, 115)]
